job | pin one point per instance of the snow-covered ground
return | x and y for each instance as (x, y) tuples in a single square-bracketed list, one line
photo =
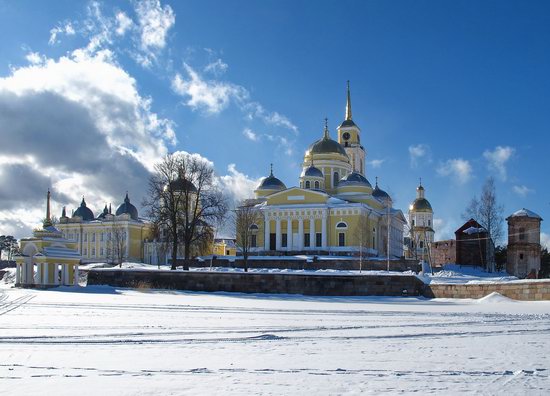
[(101, 340), (452, 273)]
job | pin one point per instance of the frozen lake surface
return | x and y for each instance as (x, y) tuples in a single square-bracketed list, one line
[(100, 340)]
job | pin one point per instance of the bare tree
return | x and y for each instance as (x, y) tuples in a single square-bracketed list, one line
[(185, 203), (116, 243), (362, 238), (246, 219), (487, 211)]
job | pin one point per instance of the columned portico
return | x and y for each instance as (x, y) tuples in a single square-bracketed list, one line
[(267, 232), (289, 234), (324, 231), (278, 236), (312, 233)]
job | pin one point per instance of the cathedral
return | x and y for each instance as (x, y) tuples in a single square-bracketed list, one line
[(334, 209), (110, 237)]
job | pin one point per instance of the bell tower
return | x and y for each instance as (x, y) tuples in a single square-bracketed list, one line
[(349, 136)]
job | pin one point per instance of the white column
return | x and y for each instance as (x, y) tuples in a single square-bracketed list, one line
[(312, 233), (278, 234), (46, 274), (289, 233), (324, 232), (39, 273), (18, 273), (66, 277), (76, 275), (267, 229), (300, 234), (56, 274)]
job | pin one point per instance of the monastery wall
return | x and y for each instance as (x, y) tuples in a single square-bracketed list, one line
[(306, 284), (530, 290)]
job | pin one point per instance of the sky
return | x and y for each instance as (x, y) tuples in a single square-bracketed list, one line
[(92, 94)]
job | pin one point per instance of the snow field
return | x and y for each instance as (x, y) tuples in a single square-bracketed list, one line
[(98, 340)]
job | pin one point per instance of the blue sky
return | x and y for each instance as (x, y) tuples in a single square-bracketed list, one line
[(449, 91)]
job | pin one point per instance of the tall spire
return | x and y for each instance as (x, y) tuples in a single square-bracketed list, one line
[(348, 106), (271, 169), (47, 220), (326, 135)]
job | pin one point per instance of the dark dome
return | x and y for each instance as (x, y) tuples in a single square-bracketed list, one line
[(127, 208), (84, 212), (326, 145), (104, 213), (354, 179), (181, 184), (379, 193), (347, 123), (421, 204), (313, 172), (271, 183)]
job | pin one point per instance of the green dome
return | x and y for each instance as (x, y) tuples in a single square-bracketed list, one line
[(421, 205), (327, 146)]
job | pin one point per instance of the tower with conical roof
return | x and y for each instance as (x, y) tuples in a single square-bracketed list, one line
[(349, 136), (421, 224)]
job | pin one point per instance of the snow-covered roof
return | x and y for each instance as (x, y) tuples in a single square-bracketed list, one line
[(59, 251), (473, 230), (526, 213)]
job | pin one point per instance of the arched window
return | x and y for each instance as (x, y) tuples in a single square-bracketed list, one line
[(413, 222), (341, 225), (253, 227), (317, 185), (336, 179), (308, 184)]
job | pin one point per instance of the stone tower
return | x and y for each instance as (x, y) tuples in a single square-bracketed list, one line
[(523, 258)]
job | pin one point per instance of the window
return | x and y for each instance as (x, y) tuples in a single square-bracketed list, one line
[(101, 237), (253, 242), (413, 222), (284, 241), (93, 237), (317, 185), (318, 239), (101, 252), (93, 251), (341, 225), (522, 234), (335, 179), (108, 236), (521, 256), (85, 252), (430, 223), (341, 239), (307, 241), (308, 184), (86, 237), (253, 227)]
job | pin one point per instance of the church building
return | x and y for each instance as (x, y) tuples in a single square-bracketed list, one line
[(334, 209)]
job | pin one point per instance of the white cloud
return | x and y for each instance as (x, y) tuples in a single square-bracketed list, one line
[(34, 58), (418, 153), (154, 22), (545, 240), (458, 168), (497, 159), (67, 28), (522, 190), (124, 23), (238, 185), (251, 135), (375, 163), (78, 125), (256, 110), (210, 95), (217, 67)]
